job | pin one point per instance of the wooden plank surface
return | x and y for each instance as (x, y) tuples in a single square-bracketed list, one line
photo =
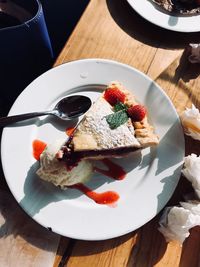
[(22, 241), (111, 29)]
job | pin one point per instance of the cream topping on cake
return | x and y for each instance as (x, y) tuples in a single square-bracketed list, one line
[(55, 171)]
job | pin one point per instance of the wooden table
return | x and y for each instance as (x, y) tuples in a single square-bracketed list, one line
[(111, 29)]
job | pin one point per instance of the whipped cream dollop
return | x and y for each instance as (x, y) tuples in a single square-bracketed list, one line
[(190, 119), (191, 171), (194, 56), (55, 171), (176, 222)]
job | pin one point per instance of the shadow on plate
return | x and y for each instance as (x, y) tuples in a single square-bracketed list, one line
[(55, 121), (39, 193), (171, 148), (146, 32), (168, 182), (59, 124)]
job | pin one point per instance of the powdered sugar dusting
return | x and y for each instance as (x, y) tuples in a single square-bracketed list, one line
[(106, 138)]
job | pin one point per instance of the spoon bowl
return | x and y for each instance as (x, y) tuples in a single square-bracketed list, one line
[(76, 106), (67, 108)]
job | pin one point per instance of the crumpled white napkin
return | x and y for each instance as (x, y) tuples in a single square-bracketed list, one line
[(191, 171), (176, 222), (190, 120)]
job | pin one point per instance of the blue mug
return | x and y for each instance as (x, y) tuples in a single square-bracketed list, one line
[(25, 48)]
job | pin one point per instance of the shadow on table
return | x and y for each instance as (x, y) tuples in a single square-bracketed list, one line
[(190, 249), (150, 246), (17, 223), (146, 32), (143, 247), (186, 70), (180, 72)]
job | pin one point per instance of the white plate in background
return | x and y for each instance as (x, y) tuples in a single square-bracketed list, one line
[(179, 23)]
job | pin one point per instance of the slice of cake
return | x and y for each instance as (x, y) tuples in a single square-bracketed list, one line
[(114, 126)]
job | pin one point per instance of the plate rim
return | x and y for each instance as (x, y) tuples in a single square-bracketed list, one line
[(101, 60)]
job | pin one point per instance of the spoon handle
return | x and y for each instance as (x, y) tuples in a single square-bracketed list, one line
[(4, 121)]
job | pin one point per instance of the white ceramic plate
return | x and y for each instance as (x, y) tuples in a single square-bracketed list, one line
[(174, 23), (151, 177)]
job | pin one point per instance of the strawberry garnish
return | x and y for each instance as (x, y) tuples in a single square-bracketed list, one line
[(137, 112), (114, 95)]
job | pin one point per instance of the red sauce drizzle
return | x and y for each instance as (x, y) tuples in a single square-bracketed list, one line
[(108, 197), (69, 131), (38, 148), (114, 170)]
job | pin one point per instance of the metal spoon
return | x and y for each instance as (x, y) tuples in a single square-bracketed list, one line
[(66, 109)]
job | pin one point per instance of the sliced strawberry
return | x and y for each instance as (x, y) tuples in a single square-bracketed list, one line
[(114, 95), (137, 112)]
